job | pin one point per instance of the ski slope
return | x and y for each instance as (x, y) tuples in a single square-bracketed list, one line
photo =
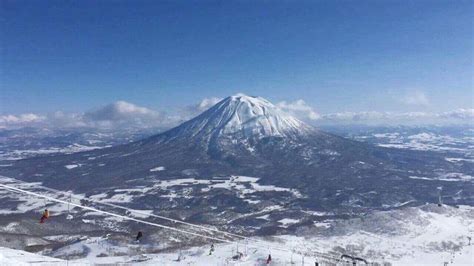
[(19, 257), (426, 235)]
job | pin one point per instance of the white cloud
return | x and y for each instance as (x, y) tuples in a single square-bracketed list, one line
[(299, 108), (61, 119), (125, 114), (120, 111), (207, 103), (22, 119), (353, 116), (456, 116), (191, 111), (367, 116), (415, 97), (118, 114), (463, 114)]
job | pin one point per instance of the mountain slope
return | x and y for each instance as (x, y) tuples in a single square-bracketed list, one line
[(241, 116), (249, 136)]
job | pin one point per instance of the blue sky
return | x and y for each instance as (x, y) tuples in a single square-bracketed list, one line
[(390, 56)]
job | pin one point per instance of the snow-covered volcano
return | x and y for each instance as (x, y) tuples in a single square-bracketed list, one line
[(243, 116), (248, 136)]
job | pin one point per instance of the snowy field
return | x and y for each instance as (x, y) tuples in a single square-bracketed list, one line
[(429, 235), (424, 235), (225, 254), (426, 141)]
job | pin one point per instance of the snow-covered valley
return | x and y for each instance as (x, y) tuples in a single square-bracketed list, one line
[(426, 235), (423, 235)]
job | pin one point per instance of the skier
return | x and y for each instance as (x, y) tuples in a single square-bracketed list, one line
[(211, 250), (269, 259), (238, 256), (139, 235), (45, 216)]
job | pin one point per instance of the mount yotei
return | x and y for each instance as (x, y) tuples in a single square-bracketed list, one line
[(244, 157)]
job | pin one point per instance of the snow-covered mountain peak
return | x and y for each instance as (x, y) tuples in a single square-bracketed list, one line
[(244, 116)]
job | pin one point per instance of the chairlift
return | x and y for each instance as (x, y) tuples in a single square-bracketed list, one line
[(353, 259)]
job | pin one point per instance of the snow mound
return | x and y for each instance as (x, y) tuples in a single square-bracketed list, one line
[(156, 169), (19, 257)]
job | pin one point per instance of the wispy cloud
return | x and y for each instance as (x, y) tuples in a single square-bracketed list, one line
[(207, 103), (192, 110), (415, 97), (463, 114), (20, 119), (203, 105), (117, 114), (121, 111), (352, 116), (299, 108), (456, 116)]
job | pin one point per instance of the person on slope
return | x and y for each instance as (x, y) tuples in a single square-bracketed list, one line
[(269, 259), (45, 216), (139, 235), (238, 256), (212, 249)]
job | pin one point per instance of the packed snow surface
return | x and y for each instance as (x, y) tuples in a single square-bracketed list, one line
[(19, 257)]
